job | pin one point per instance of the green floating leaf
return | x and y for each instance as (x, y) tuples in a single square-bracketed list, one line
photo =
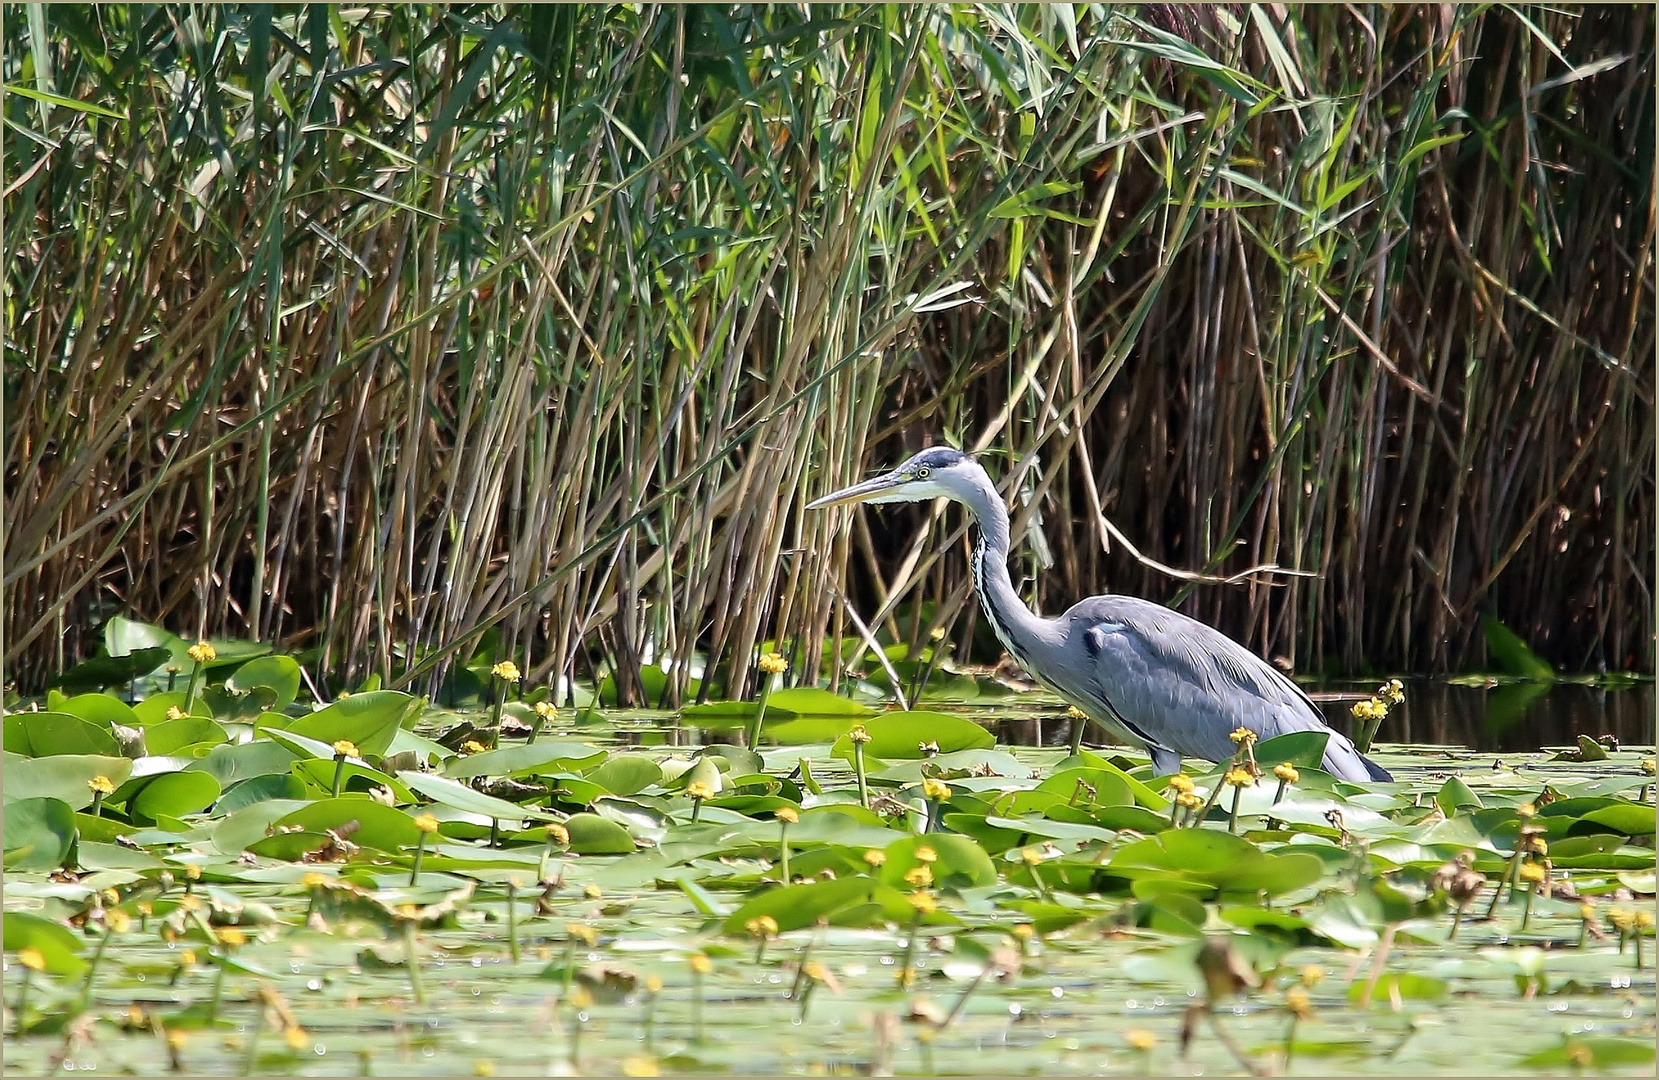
[(124, 637), (626, 774), (1585, 1053), (101, 709), (382, 827), (1303, 749), (54, 733), (229, 763), (1455, 795), (64, 776), (1220, 860), (461, 797), (591, 834), (958, 861), (1089, 788), (58, 945), (38, 835), (281, 674), (236, 832), (170, 736), (843, 902), (102, 671), (1624, 818), (1402, 984), (369, 720), (254, 789), (897, 735), (175, 794), (524, 760)]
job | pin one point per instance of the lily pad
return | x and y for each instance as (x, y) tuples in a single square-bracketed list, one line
[(368, 720), (38, 834), (903, 734)]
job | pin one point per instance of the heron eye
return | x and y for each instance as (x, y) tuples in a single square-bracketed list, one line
[(923, 473)]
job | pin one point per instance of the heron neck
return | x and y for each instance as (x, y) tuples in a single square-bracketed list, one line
[(1016, 626)]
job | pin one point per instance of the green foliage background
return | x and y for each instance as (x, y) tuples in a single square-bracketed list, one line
[(364, 330)]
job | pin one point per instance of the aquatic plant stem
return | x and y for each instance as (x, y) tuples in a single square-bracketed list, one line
[(512, 918), (752, 740), (858, 771), (92, 967), (1232, 815), (411, 959), (420, 853), (783, 850), (194, 686), (22, 999)]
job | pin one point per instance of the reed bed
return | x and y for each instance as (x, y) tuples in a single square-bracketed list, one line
[(405, 334)]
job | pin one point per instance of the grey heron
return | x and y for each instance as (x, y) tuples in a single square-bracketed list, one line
[(1150, 675)]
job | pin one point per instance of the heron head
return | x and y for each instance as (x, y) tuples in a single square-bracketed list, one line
[(936, 473)]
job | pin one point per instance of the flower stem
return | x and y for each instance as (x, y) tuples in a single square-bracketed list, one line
[(420, 853), (195, 683), (783, 850), (753, 740), (858, 770), (512, 919), (413, 961)]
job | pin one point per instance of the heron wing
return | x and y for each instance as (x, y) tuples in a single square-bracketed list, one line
[(1183, 684)]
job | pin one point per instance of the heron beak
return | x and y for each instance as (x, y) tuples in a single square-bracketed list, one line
[(864, 492)]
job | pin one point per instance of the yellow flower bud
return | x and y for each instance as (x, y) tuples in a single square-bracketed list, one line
[(1286, 772), (582, 932), (546, 711), (699, 790), (936, 790), (788, 815), (925, 854), (557, 833), (506, 670), (345, 748), (1140, 1040), (923, 902), (1312, 974), (918, 877), (31, 958), (101, 785), (859, 734), (592, 892), (762, 926), (700, 963), (294, 1036), (175, 713), (202, 653), (473, 746), (231, 937), (1180, 782), (1240, 777), (1024, 931), (773, 664), (1031, 856), (426, 823), (1298, 1002), (1243, 736), (1533, 872), (875, 857)]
